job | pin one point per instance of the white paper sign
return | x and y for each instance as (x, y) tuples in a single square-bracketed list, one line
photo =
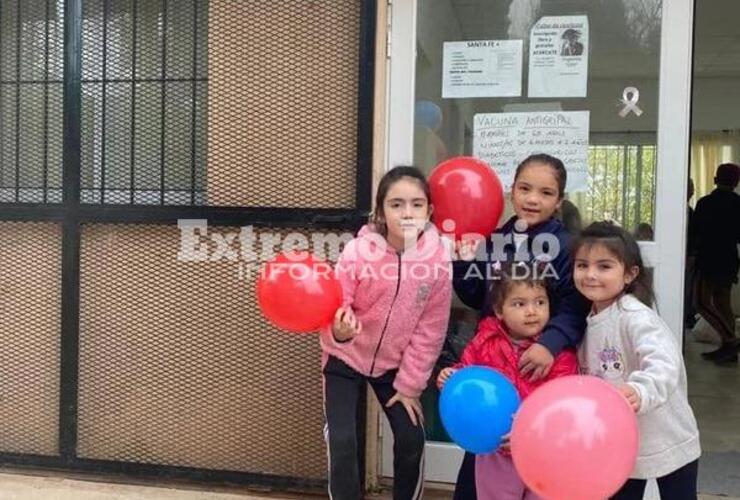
[(558, 57), (503, 140), (485, 68)]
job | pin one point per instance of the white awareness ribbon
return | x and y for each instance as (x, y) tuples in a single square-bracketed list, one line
[(630, 96)]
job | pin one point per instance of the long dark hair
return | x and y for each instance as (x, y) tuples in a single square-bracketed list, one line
[(561, 175), (624, 247), (389, 179)]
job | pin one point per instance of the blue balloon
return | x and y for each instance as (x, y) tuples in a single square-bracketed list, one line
[(477, 407), (427, 114)]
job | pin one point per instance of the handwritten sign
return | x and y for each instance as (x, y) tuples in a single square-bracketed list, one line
[(505, 139)]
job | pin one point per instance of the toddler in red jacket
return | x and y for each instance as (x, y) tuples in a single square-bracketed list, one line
[(520, 310)]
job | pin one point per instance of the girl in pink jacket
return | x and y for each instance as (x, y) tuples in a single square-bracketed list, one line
[(397, 285)]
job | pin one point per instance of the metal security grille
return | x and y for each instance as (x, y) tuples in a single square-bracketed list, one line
[(118, 119), (621, 185), (31, 42), (282, 108), (178, 367), (30, 302), (144, 100), (220, 103)]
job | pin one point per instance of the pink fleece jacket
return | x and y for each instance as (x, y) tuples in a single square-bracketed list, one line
[(402, 301)]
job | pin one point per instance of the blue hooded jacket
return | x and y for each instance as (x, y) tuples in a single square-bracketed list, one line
[(568, 308)]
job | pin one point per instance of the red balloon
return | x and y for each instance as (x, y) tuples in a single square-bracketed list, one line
[(575, 438), (466, 191), (298, 292)]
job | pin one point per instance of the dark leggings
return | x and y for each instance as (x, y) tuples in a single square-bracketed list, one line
[(342, 389), (678, 485), (465, 487)]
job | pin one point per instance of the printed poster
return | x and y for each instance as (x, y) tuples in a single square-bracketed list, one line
[(484, 68), (558, 57)]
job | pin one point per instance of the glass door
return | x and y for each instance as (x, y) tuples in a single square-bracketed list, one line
[(591, 82)]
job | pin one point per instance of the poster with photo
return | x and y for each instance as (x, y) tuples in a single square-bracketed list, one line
[(558, 57)]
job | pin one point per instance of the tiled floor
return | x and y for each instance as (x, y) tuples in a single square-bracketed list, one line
[(714, 393)]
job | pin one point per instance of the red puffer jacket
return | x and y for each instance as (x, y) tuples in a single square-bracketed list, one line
[(493, 348)]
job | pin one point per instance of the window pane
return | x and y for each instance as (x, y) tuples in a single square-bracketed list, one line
[(142, 135), (623, 45), (31, 61)]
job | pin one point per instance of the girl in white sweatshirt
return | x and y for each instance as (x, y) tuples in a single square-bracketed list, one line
[(629, 345)]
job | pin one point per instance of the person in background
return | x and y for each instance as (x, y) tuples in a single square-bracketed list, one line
[(689, 311), (717, 234), (570, 217), (644, 232)]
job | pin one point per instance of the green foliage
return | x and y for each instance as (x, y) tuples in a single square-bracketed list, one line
[(621, 185)]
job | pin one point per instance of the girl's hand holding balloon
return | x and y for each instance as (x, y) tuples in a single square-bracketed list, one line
[(631, 395), (443, 376), (466, 249), (346, 325), (506, 438), (505, 442)]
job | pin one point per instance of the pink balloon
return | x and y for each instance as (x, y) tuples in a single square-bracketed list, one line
[(575, 438)]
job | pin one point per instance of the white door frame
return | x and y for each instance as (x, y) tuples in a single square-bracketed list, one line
[(666, 254)]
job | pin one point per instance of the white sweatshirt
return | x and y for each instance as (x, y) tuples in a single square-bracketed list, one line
[(629, 343)]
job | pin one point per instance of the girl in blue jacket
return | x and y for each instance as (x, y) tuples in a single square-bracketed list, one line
[(533, 234)]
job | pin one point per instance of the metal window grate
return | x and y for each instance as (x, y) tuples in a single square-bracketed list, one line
[(144, 99), (31, 45), (195, 102), (150, 124), (282, 103), (30, 303), (621, 185), (178, 367)]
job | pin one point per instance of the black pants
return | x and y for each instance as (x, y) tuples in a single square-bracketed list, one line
[(342, 388), (678, 485), (465, 486)]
